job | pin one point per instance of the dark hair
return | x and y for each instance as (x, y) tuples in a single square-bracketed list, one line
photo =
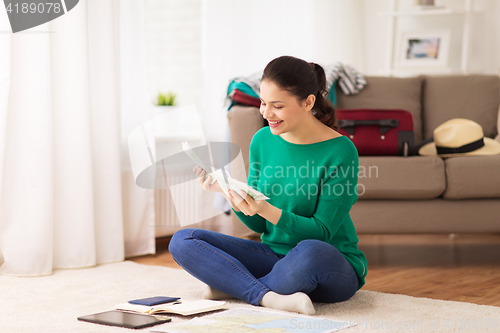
[(301, 79)]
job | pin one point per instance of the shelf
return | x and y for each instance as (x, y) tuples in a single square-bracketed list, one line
[(407, 72), (395, 15), (425, 12)]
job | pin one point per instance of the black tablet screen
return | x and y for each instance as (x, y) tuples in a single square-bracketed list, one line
[(124, 319)]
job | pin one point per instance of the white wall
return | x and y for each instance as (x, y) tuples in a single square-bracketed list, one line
[(241, 37), (484, 54)]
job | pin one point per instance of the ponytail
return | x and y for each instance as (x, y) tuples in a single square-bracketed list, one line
[(323, 108), (302, 79)]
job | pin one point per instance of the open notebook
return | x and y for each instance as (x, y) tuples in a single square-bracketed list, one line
[(186, 308)]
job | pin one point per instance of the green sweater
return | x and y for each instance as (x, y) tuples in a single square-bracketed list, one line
[(315, 187)]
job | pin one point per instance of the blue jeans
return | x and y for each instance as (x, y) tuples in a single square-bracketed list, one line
[(248, 269)]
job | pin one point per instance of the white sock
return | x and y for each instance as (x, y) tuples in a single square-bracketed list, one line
[(298, 302), (211, 293)]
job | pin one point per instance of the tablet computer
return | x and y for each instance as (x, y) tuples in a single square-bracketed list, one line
[(123, 319)]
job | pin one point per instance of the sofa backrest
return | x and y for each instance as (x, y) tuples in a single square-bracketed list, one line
[(432, 99), (474, 97), (388, 93)]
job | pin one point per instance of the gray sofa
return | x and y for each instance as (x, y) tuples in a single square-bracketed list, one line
[(415, 194)]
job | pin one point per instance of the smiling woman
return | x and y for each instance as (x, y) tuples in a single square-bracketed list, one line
[(292, 95), (309, 246)]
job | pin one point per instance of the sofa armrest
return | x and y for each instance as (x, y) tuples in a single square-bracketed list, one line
[(244, 122)]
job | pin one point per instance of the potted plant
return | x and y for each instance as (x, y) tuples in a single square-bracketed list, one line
[(164, 102), (167, 99)]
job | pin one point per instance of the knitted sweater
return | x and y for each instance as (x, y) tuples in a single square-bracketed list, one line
[(315, 187)]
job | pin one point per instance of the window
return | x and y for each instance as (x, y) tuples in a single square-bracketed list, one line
[(173, 49)]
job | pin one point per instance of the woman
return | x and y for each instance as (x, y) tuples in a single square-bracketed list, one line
[(309, 171)]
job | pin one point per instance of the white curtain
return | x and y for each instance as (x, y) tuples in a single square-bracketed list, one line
[(60, 141), (138, 203)]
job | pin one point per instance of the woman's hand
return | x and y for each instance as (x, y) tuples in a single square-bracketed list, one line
[(215, 187), (250, 207), (246, 204), (200, 173)]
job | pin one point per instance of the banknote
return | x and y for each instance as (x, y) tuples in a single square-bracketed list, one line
[(225, 183), (237, 186), (187, 149)]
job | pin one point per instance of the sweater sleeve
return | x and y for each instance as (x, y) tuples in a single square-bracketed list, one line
[(255, 223), (338, 195)]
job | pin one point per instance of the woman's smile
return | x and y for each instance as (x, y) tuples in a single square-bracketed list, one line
[(274, 123)]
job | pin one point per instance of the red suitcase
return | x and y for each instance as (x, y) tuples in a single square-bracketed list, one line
[(378, 132), (242, 98)]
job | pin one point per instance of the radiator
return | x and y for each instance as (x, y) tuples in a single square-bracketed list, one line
[(188, 196)]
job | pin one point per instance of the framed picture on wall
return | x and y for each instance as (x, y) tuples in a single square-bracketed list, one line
[(423, 49)]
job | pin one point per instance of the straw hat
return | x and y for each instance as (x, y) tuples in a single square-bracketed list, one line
[(460, 137)]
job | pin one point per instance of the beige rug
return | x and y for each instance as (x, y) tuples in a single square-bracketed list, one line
[(52, 303)]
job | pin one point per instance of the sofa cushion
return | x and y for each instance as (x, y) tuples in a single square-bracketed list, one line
[(426, 216), (391, 177), (472, 177), (474, 97), (388, 93)]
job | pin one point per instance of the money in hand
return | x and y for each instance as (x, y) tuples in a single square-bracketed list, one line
[(217, 175)]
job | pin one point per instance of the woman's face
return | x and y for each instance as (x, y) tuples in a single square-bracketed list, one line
[(282, 110)]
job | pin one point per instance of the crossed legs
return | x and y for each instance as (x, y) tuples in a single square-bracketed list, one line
[(251, 271)]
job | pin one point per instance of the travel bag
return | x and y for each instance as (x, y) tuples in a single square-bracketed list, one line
[(378, 132), (242, 98)]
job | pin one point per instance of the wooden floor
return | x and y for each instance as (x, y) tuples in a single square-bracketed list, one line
[(463, 268)]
